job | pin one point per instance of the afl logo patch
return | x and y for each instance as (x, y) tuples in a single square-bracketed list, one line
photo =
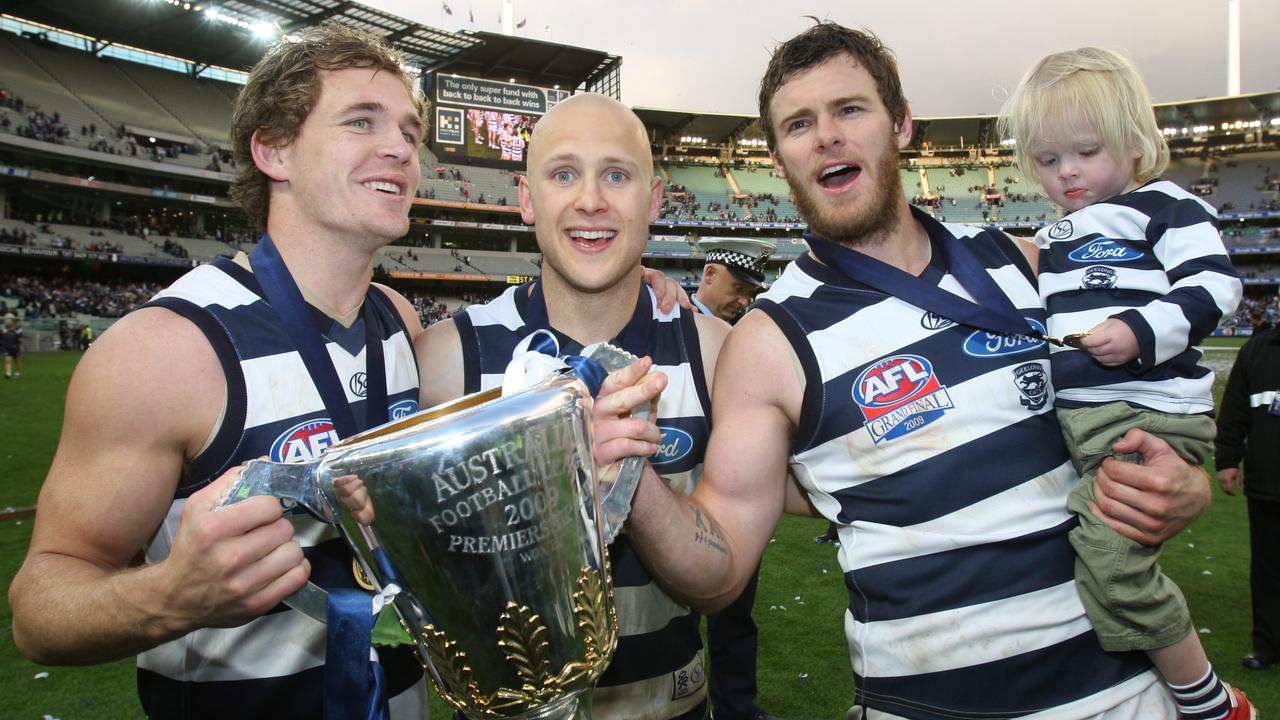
[(899, 395), (402, 409), (933, 321), (985, 344), (304, 442), (1061, 230), (675, 445), (1104, 250), (1098, 277)]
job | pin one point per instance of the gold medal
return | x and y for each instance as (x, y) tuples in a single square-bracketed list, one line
[(1072, 340), (361, 578)]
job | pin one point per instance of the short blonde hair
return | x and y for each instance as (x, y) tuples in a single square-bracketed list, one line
[(1108, 95)]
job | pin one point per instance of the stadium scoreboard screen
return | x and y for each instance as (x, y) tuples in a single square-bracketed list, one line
[(485, 121)]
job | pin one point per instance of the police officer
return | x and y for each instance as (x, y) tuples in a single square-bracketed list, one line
[(733, 274)]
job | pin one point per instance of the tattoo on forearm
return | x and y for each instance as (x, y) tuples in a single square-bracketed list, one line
[(707, 532)]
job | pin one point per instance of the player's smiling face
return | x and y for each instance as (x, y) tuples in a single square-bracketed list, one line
[(590, 192), (352, 170)]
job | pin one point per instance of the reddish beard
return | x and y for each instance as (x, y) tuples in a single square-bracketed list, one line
[(870, 224)]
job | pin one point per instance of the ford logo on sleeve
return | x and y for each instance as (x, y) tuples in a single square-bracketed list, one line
[(985, 344), (675, 445), (402, 409), (1104, 250)]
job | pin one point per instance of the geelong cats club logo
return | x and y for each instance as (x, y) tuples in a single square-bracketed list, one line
[(1033, 383), (1098, 277), (899, 395)]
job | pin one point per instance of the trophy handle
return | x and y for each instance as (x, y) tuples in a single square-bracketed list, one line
[(289, 483), (615, 496)]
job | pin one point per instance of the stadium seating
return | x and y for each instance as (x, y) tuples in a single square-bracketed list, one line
[(1240, 182), (492, 183), (101, 85), (442, 260), (40, 90), (702, 181), (763, 181), (1185, 171), (198, 105)]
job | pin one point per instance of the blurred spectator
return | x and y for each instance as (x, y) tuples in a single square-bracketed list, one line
[(41, 297)]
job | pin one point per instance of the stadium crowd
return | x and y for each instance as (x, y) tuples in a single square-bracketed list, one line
[(38, 297)]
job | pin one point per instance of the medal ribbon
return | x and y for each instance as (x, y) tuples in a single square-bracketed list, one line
[(353, 681), (993, 310), (282, 294), (635, 338)]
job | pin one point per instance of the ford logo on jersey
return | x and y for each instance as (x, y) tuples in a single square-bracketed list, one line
[(1104, 250), (899, 395), (985, 344), (675, 444), (304, 442), (402, 409)]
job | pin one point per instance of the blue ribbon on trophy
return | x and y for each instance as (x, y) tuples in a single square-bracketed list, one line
[(538, 355)]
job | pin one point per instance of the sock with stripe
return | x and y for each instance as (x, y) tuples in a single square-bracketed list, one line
[(1205, 699)]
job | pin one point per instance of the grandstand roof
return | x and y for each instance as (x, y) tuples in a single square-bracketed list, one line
[(530, 62), (188, 34), (668, 126), (1215, 111)]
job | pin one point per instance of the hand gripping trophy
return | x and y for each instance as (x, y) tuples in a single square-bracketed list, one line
[(481, 522)]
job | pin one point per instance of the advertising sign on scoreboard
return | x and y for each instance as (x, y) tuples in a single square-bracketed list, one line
[(488, 121)]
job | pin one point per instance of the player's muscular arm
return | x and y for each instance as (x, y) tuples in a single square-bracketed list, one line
[(704, 548), (440, 372), (131, 421), (408, 313)]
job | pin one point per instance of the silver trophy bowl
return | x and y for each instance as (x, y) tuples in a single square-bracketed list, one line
[(483, 527)]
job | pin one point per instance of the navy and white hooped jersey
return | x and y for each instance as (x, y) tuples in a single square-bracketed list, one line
[(1154, 259), (272, 666), (657, 671), (934, 448)]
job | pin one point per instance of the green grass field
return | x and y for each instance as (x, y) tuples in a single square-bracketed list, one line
[(804, 663)]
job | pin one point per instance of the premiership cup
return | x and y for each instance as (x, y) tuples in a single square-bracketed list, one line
[(487, 536)]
